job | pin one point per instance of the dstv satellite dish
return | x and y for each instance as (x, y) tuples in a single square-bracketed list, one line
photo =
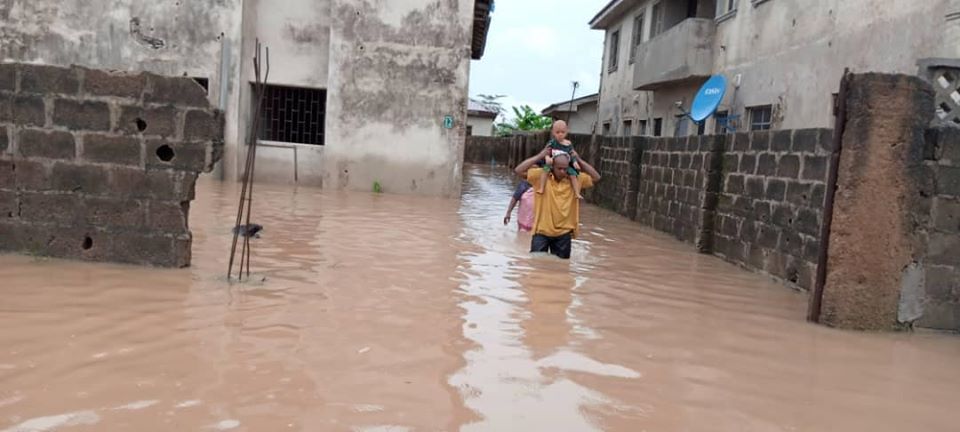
[(707, 100)]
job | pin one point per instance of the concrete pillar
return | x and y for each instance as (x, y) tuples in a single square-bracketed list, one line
[(876, 236)]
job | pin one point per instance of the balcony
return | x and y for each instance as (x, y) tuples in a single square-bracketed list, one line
[(682, 53)]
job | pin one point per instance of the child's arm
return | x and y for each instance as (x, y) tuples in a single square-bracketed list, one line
[(513, 203)]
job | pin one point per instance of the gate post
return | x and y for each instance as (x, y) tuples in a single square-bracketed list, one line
[(874, 241)]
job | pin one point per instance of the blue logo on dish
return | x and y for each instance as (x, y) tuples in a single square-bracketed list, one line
[(708, 98)]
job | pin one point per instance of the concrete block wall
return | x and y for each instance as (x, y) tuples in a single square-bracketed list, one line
[(679, 182), (941, 263), (512, 150), (101, 166), (771, 202), (617, 159)]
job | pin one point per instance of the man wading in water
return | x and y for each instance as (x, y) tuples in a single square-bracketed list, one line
[(557, 209)]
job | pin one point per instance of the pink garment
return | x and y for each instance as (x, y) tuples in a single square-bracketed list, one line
[(525, 212)]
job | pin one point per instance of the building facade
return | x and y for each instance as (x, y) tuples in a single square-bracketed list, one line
[(783, 59), (580, 113), (480, 119), (359, 91)]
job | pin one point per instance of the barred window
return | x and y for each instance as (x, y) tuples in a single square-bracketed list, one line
[(293, 114)]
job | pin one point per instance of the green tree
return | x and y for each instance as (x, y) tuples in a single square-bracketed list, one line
[(525, 119)]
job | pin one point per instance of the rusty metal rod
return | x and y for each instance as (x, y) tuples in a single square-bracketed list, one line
[(253, 162), (244, 182), (816, 297), (246, 193)]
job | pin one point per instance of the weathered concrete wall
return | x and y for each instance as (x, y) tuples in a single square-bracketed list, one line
[(800, 67), (791, 54), (618, 101), (298, 36), (177, 38), (875, 236), (396, 70), (393, 70), (99, 166)]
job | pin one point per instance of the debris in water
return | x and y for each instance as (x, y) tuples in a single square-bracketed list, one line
[(250, 230)]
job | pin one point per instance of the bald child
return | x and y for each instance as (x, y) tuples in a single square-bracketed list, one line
[(559, 144)]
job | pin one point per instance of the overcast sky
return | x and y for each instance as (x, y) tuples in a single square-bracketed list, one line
[(536, 48)]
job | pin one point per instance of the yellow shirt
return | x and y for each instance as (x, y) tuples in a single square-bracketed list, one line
[(557, 210)]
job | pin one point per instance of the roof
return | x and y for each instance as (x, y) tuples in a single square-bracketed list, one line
[(477, 109), (481, 26), (571, 106), (611, 12)]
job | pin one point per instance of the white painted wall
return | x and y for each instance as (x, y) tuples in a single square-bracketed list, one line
[(481, 126), (584, 119), (395, 73)]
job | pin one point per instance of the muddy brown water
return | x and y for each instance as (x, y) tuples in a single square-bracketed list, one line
[(396, 313)]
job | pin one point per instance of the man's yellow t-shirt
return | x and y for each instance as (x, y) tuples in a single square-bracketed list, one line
[(557, 210)]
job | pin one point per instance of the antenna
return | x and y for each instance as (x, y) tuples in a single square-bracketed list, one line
[(575, 85)]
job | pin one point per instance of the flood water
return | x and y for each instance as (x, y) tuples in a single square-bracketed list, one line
[(397, 313)]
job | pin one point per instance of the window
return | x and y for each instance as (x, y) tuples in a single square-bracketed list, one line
[(701, 127), (614, 51), (293, 114), (642, 128), (469, 130), (606, 129), (637, 37), (657, 127), (760, 117), (720, 123), (627, 128), (657, 20), (726, 9), (682, 126)]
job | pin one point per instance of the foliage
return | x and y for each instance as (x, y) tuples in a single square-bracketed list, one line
[(525, 119)]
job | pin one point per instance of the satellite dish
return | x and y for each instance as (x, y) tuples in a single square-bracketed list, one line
[(707, 100)]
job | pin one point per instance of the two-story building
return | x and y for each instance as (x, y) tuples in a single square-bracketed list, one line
[(783, 59)]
